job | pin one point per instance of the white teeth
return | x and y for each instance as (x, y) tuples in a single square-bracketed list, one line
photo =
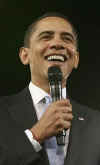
[(56, 57)]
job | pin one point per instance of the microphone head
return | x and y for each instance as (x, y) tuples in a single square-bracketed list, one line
[(54, 74)]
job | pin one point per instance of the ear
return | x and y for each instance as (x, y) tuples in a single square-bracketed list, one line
[(24, 55), (76, 60)]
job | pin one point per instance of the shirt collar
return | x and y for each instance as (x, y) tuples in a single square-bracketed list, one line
[(38, 94)]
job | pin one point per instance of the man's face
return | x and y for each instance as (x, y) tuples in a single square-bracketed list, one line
[(52, 44)]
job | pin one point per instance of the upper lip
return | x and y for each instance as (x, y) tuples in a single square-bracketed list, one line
[(57, 54)]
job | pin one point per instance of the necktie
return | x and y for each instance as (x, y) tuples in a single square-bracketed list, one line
[(55, 152)]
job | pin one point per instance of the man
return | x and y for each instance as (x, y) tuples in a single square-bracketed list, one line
[(30, 121)]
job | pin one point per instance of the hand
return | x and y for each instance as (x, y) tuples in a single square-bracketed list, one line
[(57, 117)]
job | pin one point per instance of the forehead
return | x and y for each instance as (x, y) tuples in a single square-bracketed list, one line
[(56, 24)]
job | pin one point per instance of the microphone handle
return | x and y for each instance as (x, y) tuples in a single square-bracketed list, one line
[(56, 94)]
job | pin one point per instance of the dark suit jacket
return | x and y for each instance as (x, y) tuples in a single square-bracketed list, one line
[(17, 114)]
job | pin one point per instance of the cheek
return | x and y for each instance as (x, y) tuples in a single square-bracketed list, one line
[(44, 47), (71, 50), (67, 69)]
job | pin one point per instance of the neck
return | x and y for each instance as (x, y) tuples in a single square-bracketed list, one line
[(44, 84)]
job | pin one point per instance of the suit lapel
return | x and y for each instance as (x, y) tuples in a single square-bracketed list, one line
[(23, 113), (75, 138), (22, 110)]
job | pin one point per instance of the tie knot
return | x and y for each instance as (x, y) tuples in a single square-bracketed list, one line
[(48, 99)]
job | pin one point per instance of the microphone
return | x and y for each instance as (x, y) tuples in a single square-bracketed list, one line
[(55, 82)]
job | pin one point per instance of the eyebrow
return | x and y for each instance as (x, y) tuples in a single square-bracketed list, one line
[(46, 32), (62, 33), (68, 34)]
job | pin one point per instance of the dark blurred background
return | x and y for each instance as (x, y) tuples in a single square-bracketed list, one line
[(15, 16)]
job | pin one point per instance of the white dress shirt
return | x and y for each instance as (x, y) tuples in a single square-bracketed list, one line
[(38, 96)]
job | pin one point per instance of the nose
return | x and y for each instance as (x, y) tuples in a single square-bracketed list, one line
[(57, 44)]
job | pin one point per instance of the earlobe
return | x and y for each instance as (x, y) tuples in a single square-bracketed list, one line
[(24, 55), (76, 60)]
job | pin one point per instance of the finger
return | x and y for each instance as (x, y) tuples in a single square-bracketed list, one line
[(65, 109), (67, 117), (65, 125), (63, 102)]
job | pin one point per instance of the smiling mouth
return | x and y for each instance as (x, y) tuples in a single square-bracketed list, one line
[(56, 57)]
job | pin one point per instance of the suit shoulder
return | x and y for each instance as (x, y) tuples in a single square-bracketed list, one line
[(84, 110), (6, 101)]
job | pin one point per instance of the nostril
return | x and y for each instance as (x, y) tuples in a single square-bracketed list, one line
[(57, 47)]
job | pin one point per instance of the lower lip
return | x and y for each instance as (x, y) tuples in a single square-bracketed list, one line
[(56, 62)]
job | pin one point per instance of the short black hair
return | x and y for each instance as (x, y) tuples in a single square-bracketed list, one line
[(31, 28)]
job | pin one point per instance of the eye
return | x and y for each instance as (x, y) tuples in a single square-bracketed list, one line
[(46, 37), (67, 39)]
